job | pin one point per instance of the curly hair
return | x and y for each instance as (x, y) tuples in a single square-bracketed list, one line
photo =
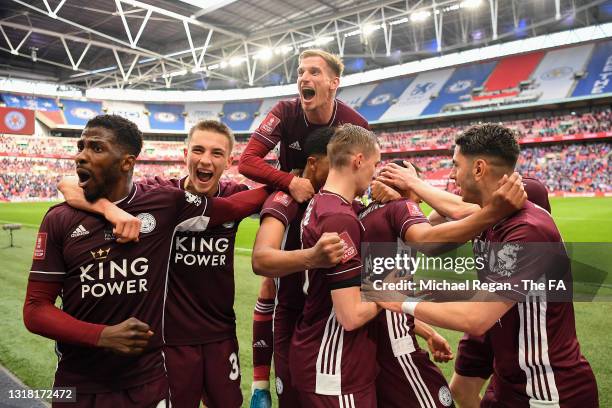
[(127, 134)]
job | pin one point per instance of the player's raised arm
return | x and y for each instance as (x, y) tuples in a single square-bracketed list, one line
[(443, 202), (506, 200), (126, 226)]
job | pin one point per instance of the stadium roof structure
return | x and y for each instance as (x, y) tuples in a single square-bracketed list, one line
[(229, 44)]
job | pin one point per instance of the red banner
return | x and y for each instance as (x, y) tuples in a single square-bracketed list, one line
[(16, 121)]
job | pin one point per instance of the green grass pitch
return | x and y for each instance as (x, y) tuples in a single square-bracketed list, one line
[(32, 357)]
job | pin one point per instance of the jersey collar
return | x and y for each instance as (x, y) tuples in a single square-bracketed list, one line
[(331, 121)]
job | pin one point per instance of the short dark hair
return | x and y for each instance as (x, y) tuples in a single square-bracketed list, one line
[(400, 163), (126, 132), (490, 140), (317, 140)]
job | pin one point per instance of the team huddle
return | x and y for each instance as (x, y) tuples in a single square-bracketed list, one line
[(145, 270)]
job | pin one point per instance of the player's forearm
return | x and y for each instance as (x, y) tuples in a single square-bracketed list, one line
[(253, 166), (74, 196), (237, 206), (460, 231), (445, 203), (351, 312), (41, 317), (276, 263), (423, 330)]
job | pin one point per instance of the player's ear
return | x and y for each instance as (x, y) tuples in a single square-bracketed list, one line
[(358, 160), (185, 150), (311, 162), (335, 83), (479, 168), (128, 163)]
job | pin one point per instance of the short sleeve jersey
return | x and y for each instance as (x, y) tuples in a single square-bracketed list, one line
[(106, 283), (286, 124), (324, 358), (388, 223), (536, 351), (199, 307)]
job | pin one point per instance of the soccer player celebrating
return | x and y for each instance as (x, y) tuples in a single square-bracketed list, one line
[(537, 359), (288, 124), (109, 330), (280, 229)]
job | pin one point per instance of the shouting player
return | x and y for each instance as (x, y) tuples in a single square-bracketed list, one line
[(288, 124), (537, 358), (109, 330)]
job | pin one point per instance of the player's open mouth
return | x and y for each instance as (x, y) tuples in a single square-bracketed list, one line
[(204, 175), (308, 93), (84, 177)]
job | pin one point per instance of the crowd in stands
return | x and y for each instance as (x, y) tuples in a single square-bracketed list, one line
[(568, 168), (424, 139)]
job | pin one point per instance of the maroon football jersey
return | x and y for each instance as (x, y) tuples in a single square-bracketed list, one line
[(536, 352), (106, 283), (199, 306), (536, 192), (286, 123), (324, 358), (388, 223)]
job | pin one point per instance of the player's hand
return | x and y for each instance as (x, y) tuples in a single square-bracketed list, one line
[(301, 189), (327, 252), (439, 348), (383, 193), (510, 195), (400, 177), (128, 338), (126, 227)]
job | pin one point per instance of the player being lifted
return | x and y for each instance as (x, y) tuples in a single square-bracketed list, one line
[(288, 124), (537, 358), (109, 330)]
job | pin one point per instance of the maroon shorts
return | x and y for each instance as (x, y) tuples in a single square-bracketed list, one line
[(208, 372), (411, 381), (150, 395), (361, 399), (284, 324), (474, 357)]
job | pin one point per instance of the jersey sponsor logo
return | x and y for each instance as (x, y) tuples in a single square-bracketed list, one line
[(104, 277), (279, 386), (413, 209), (380, 99), (260, 344), (460, 86), (147, 222), (109, 235), (295, 145), (101, 254), (40, 248), (238, 116), (165, 117), (201, 251), (79, 231), (192, 198), (83, 113), (269, 124), (445, 397), (557, 73), (504, 263), (15, 120), (281, 198), (350, 250)]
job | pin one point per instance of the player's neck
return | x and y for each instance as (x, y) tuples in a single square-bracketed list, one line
[(341, 183), (121, 191), (321, 116), (307, 174), (486, 194)]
